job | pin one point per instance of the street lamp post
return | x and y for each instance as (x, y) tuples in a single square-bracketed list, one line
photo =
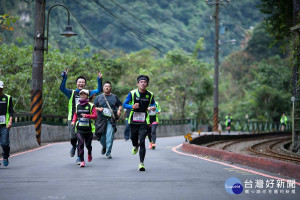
[(217, 4), (68, 32), (38, 63)]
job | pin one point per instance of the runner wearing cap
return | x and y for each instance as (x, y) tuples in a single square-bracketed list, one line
[(6, 116), (139, 101), (73, 96), (84, 127)]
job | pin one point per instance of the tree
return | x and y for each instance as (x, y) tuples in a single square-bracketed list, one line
[(261, 45), (279, 17), (6, 22)]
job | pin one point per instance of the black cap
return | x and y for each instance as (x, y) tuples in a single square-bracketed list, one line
[(143, 77)]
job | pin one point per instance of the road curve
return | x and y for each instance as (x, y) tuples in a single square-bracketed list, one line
[(50, 173)]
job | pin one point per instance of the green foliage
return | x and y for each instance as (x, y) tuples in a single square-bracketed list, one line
[(262, 44), (6, 23), (279, 17), (15, 65), (184, 84), (256, 81), (177, 74), (164, 25)]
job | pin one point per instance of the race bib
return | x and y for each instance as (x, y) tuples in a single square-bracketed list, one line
[(77, 100), (139, 117), (106, 112), (152, 112), (228, 120), (2, 119), (83, 122)]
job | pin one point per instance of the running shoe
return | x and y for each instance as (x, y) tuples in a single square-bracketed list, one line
[(150, 145), (72, 151), (82, 164), (142, 167), (103, 151), (5, 162), (135, 150), (153, 146), (108, 156), (90, 158), (78, 161)]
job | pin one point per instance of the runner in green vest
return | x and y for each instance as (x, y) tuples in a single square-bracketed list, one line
[(6, 116), (73, 96), (139, 101), (153, 125), (283, 122), (228, 120), (84, 127)]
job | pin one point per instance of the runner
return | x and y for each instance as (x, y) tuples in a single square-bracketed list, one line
[(73, 96), (228, 120), (139, 101), (6, 116), (283, 122), (109, 108), (153, 125), (84, 127)]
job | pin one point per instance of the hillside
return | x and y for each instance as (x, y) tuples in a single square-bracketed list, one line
[(134, 25)]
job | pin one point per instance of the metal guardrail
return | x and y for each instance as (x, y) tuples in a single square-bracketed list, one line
[(23, 119), (249, 126)]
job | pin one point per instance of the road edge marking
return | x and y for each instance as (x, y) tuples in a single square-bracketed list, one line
[(174, 149)]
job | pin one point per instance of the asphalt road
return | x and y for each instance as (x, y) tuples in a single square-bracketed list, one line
[(50, 173)]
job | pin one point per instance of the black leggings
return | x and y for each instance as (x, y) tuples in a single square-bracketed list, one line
[(138, 136), (87, 138), (73, 142)]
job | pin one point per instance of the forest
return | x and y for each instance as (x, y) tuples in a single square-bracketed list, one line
[(170, 41)]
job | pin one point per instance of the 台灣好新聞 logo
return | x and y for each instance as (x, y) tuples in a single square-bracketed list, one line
[(233, 186)]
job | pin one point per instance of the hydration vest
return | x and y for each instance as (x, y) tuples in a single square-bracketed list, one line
[(6, 121), (228, 120), (154, 114), (140, 115), (84, 124), (73, 101)]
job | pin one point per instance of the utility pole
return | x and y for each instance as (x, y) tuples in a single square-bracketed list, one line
[(37, 67), (217, 4), (216, 68)]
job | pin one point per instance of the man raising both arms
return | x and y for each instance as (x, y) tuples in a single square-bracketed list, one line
[(73, 96), (139, 101)]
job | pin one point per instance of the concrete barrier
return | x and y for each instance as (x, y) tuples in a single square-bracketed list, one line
[(161, 131), (54, 133), (267, 164), (24, 137)]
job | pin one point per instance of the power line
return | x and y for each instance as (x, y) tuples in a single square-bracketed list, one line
[(97, 13), (136, 17), (123, 21), (132, 30), (83, 27), (92, 35), (151, 12)]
